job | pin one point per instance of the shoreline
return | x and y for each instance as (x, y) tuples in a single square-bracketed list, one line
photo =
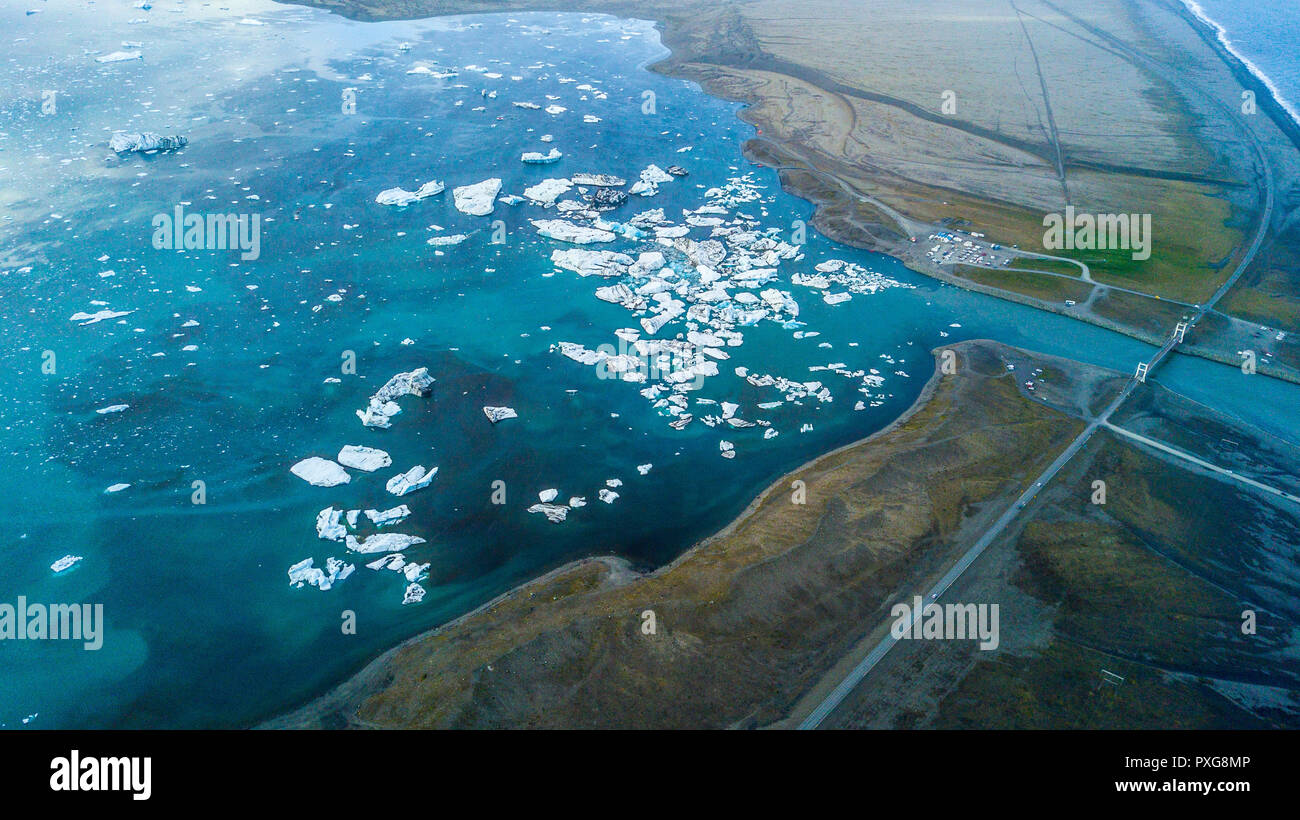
[(349, 693), (1221, 35)]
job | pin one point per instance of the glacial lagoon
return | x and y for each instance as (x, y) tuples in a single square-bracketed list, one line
[(217, 370)]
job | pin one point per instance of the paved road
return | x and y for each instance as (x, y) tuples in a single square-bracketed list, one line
[(1173, 451), (840, 692), (837, 695)]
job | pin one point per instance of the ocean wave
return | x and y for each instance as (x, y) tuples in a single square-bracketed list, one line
[(1222, 33)]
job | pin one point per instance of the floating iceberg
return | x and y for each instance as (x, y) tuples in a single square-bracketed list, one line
[(120, 57), (546, 191), (368, 459), (410, 481), (496, 414), (382, 406), (320, 472), (329, 524), (65, 563), (591, 263), (304, 572), (477, 199), (555, 513), (414, 594), (565, 231), (608, 197), (396, 515), (383, 542), (537, 158), (400, 196), (146, 143), (599, 180)]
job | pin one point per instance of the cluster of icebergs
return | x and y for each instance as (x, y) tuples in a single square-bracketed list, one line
[(692, 297), (708, 291), (344, 526), (557, 513)]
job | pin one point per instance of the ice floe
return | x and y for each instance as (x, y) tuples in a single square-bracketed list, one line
[(98, 316), (383, 405), (565, 231), (401, 197), (546, 191), (305, 573), (368, 459), (382, 542), (146, 143), (395, 515), (413, 479), (120, 57), (477, 199), (320, 472), (65, 563), (555, 513), (538, 158), (496, 414)]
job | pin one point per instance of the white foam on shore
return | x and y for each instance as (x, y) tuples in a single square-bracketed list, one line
[(1222, 34)]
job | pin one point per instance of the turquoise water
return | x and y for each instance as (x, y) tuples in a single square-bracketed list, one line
[(203, 628)]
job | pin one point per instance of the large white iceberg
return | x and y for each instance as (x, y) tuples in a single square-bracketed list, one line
[(411, 480), (400, 196), (566, 231), (383, 542), (382, 406), (304, 573), (477, 199), (329, 524), (320, 472), (368, 459), (395, 515), (546, 191)]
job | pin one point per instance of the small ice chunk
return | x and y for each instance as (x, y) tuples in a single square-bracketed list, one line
[(496, 414), (65, 563)]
